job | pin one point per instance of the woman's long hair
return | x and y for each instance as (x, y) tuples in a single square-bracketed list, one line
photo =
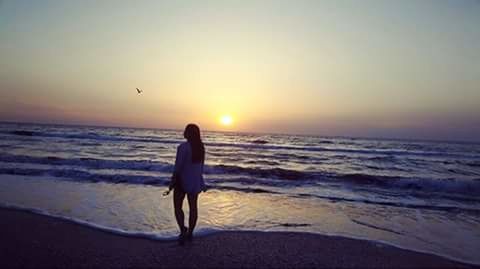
[(192, 134)]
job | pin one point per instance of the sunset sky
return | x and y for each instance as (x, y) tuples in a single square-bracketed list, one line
[(406, 69)]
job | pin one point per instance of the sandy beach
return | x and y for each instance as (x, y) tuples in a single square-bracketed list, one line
[(31, 240)]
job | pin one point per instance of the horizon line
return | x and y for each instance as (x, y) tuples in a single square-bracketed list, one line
[(250, 132)]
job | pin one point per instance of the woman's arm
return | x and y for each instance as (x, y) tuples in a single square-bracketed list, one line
[(179, 160)]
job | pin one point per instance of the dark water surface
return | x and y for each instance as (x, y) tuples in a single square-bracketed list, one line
[(413, 194)]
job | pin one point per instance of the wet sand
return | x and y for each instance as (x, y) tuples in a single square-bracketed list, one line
[(31, 240)]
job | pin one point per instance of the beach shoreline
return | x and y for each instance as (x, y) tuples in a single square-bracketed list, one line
[(32, 240)]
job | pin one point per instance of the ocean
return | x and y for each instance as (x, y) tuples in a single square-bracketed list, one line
[(418, 195)]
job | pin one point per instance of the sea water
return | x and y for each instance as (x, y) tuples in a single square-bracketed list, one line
[(419, 195)]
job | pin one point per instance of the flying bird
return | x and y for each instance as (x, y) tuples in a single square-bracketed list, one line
[(139, 91)]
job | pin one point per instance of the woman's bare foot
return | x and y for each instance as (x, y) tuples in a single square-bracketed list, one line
[(189, 235), (183, 235)]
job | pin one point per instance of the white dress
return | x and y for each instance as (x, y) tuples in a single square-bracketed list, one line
[(190, 174)]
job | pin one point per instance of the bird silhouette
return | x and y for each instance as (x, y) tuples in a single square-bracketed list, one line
[(139, 91)]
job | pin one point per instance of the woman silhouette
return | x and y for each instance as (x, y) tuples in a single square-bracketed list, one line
[(187, 179)]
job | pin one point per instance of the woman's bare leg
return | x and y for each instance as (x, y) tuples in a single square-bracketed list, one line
[(192, 218), (178, 196)]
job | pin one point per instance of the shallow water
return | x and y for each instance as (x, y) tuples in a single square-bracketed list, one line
[(413, 194)]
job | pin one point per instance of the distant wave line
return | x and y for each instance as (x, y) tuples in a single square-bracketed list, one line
[(251, 145)]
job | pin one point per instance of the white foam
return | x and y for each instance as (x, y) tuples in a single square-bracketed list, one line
[(164, 236)]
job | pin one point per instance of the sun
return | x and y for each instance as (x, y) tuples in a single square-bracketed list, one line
[(226, 120)]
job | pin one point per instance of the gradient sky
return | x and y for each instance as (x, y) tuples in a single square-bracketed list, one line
[(406, 69)]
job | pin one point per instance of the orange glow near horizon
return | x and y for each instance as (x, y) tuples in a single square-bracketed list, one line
[(301, 67)]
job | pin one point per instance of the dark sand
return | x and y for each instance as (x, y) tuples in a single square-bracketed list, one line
[(31, 240)]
